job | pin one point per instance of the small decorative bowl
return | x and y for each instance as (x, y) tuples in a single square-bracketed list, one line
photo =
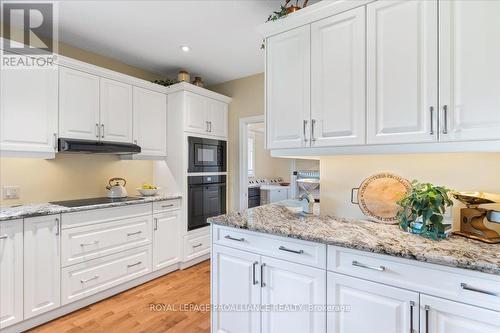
[(148, 192)]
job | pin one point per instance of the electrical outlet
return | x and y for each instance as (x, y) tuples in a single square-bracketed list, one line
[(10, 192)]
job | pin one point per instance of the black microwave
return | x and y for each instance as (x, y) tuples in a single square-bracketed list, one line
[(207, 155)]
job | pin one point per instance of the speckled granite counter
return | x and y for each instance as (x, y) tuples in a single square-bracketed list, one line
[(454, 251), (39, 209)]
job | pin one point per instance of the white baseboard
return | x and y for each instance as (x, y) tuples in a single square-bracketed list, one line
[(63, 310), (192, 262)]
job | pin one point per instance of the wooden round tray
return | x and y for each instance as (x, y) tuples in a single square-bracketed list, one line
[(378, 195)]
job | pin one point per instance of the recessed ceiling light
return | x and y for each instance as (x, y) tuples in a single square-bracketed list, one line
[(185, 48)]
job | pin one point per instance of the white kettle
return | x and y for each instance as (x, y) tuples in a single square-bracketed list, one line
[(115, 190)]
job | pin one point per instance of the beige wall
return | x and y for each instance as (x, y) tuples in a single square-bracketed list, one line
[(267, 166), (461, 172)]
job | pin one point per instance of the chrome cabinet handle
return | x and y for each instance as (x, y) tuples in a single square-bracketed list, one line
[(358, 264), (4, 237), (97, 131), (412, 304), (206, 126), (210, 126), (313, 125), (156, 223), (477, 290), (167, 206), (304, 130), (92, 278), (431, 109), (282, 248), (262, 283), (134, 233), (197, 245), (427, 308), (55, 142), (88, 244), (102, 133), (445, 114), (58, 226), (234, 239), (255, 282), (132, 265)]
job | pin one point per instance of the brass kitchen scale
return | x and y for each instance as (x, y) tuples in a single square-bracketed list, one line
[(472, 217)]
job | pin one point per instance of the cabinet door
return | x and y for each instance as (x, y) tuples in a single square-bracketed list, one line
[(288, 85), (11, 272), (196, 117), (469, 70), (235, 281), (28, 107), (78, 104), (443, 316), (42, 260), (370, 307), (115, 111), (150, 122), (338, 79), (401, 71), (217, 117), (166, 239), (288, 284)]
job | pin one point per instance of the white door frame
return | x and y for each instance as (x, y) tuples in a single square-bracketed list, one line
[(243, 179)]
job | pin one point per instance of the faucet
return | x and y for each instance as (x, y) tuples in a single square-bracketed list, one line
[(310, 202)]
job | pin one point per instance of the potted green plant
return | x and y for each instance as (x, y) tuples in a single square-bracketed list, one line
[(423, 209)]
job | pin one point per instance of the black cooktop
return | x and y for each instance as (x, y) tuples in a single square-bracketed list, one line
[(92, 201)]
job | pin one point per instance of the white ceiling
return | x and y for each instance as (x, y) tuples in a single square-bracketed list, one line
[(148, 34)]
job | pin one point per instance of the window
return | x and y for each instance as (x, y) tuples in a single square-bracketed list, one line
[(251, 156)]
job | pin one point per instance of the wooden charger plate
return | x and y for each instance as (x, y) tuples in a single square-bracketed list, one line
[(378, 196)]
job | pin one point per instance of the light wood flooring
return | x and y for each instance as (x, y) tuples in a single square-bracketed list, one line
[(130, 312)]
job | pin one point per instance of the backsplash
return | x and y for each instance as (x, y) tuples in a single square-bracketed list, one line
[(461, 172), (70, 176)]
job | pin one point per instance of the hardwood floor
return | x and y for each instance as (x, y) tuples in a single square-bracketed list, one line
[(130, 311)]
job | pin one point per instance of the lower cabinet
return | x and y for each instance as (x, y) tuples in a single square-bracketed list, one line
[(438, 315), (358, 305), (11, 272), (42, 263), (166, 239), (276, 293)]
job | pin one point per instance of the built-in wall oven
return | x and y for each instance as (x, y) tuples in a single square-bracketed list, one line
[(206, 198), (207, 155)]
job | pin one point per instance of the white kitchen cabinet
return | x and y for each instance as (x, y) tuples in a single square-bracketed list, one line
[(235, 281), (287, 283), (338, 79), (401, 72), (150, 122), (288, 85), (28, 111), (205, 115), (115, 111), (469, 70), (42, 263), (11, 272), (365, 303), (78, 105), (166, 239), (438, 315), (217, 117), (273, 194)]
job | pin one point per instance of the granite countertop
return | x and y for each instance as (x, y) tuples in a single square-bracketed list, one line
[(39, 209), (454, 251)]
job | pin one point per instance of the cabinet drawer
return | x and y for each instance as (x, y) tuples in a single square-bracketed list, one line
[(447, 282), (97, 240), (294, 250), (85, 279), (165, 206), (93, 216), (195, 246)]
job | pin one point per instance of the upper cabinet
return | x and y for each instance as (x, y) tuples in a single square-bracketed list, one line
[(116, 111), (401, 71), (150, 122), (338, 79), (28, 112), (288, 77), (78, 105), (469, 49), (205, 115)]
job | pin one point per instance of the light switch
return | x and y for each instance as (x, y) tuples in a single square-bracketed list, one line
[(10, 192)]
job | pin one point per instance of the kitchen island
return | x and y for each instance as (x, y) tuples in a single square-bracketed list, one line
[(356, 276)]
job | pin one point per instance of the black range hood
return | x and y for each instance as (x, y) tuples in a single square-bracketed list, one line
[(97, 147)]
